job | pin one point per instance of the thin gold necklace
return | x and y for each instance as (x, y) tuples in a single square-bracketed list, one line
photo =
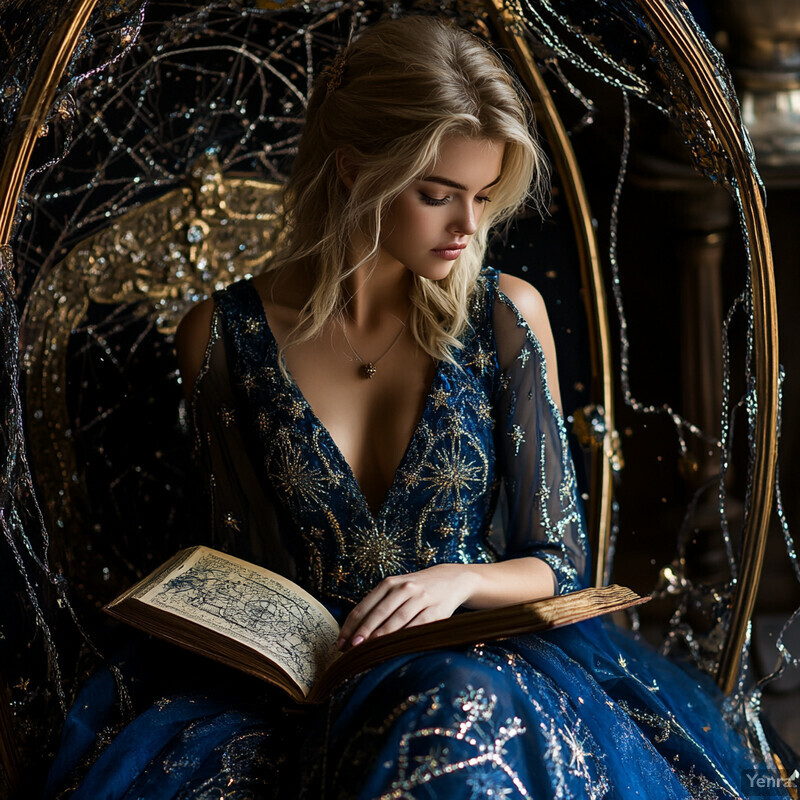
[(368, 368)]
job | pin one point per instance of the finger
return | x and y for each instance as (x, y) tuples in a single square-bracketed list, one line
[(410, 610), (418, 604), (382, 612), (427, 615), (358, 613), (356, 617)]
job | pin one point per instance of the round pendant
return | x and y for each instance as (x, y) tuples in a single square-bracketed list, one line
[(368, 369)]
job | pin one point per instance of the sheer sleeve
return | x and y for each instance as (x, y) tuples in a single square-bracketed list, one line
[(244, 519), (544, 517)]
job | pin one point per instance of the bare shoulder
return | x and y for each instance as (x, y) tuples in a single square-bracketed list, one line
[(528, 300), (191, 340), (530, 304)]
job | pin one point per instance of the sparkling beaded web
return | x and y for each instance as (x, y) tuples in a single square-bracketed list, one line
[(166, 113)]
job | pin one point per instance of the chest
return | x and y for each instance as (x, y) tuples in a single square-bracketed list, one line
[(325, 425), (440, 462), (370, 420)]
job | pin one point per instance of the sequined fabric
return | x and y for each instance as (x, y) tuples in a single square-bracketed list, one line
[(581, 712), (440, 505)]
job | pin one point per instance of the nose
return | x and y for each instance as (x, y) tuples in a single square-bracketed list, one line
[(466, 220)]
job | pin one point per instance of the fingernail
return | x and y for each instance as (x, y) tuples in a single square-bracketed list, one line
[(340, 642), (357, 640)]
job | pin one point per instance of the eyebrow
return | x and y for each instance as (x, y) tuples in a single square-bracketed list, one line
[(453, 184)]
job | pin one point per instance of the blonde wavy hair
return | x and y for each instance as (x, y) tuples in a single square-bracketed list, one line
[(407, 86)]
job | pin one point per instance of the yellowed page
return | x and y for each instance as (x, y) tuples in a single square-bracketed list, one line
[(251, 605)]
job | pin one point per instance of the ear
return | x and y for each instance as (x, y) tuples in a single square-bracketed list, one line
[(346, 167)]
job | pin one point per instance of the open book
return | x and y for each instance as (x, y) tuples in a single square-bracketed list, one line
[(262, 623)]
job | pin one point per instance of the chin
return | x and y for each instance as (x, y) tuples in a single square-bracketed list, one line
[(435, 272)]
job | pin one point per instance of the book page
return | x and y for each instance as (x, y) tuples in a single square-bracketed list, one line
[(252, 606)]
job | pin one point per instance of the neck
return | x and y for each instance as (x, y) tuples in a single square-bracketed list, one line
[(375, 290)]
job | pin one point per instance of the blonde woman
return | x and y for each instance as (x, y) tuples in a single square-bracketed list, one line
[(359, 407)]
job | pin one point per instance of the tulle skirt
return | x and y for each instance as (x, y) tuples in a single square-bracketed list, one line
[(581, 712)]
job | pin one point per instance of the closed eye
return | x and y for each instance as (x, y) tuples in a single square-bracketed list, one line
[(433, 201), (440, 201)]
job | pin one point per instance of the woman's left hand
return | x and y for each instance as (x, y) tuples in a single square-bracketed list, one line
[(401, 601)]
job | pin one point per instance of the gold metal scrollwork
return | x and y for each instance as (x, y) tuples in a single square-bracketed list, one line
[(694, 62), (509, 25), (160, 258), (7, 268)]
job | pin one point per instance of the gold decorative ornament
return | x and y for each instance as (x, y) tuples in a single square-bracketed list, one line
[(160, 258), (335, 73)]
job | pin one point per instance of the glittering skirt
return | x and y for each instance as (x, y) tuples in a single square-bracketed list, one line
[(581, 712)]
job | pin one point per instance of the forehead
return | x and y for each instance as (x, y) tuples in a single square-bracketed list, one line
[(471, 162)]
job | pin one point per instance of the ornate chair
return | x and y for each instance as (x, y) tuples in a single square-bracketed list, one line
[(107, 266)]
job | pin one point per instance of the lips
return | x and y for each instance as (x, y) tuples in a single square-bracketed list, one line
[(449, 252)]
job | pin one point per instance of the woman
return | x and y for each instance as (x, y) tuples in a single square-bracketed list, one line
[(357, 409)]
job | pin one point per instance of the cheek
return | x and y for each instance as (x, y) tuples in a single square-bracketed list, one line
[(411, 212), (405, 218)]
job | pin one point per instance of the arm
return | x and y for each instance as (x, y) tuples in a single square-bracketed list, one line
[(244, 518), (530, 304), (191, 340), (436, 592)]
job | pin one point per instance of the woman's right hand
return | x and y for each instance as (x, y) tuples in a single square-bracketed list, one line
[(402, 601)]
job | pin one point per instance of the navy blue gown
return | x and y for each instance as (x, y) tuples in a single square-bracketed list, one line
[(581, 712)]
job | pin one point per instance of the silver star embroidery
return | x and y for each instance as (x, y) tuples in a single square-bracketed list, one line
[(518, 436), (577, 754)]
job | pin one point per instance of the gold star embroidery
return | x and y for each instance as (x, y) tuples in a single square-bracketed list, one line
[(296, 477), (481, 359), (249, 382), (484, 411), (427, 555), (296, 409), (411, 479), (339, 575), (232, 522), (227, 415), (452, 472), (252, 326), (439, 397), (376, 553)]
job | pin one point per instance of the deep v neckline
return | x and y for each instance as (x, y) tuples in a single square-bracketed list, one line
[(293, 386)]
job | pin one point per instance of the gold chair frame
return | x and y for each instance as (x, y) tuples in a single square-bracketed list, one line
[(692, 58)]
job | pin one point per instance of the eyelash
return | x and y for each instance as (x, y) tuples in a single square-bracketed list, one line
[(435, 201)]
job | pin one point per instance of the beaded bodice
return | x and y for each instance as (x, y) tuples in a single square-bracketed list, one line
[(440, 505)]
